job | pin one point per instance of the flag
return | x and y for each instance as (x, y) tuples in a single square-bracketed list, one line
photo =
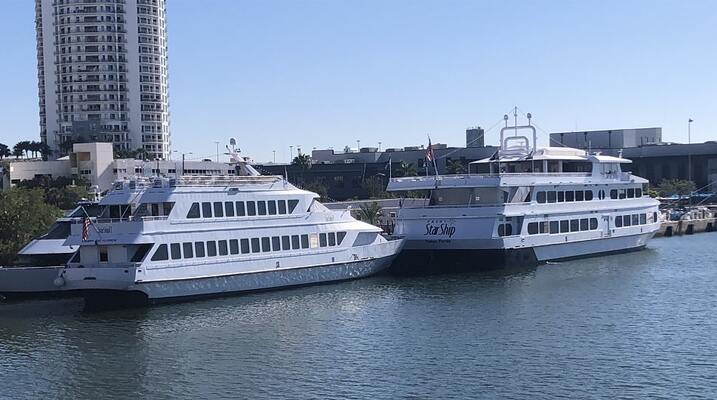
[(86, 228), (429, 152)]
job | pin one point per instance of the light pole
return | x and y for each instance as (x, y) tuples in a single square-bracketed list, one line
[(291, 153), (358, 145), (379, 147), (274, 151), (217, 143), (689, 153), (183, 154)]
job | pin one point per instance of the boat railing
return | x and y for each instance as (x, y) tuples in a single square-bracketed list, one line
[(132, 218)]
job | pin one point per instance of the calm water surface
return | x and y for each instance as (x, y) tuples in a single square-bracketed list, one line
[(627, 326)]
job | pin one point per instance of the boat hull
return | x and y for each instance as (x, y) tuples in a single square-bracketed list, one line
[(20, 282), (413, 259), (143, 293)]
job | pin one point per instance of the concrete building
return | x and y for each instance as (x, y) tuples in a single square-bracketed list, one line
[(475, 137), (614, 139), (102, 74), (94, 162)]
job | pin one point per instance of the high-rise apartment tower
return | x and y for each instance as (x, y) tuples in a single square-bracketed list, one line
[(102, 71)]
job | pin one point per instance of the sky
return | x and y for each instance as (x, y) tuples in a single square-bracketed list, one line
[(320, 74)]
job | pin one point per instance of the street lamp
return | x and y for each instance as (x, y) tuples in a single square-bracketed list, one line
[(183, 156), (274, 151), (689, 152)]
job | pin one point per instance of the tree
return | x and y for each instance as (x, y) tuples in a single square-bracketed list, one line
[(407, 169), (4, 151), (60, 192), (370, 212), (670, 187), (456, 167), (23, 216), (17, 150), (375, 187), (302, 160)]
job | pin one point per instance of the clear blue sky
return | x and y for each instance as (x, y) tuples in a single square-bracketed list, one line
[(326, 73)]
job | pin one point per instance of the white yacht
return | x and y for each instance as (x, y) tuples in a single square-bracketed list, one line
[(167, 239), (528, 205)]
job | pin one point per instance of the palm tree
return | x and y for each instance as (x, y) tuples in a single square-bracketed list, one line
[(371, 213), (407, 169), (4, 151), (302, 160), (18, 150)]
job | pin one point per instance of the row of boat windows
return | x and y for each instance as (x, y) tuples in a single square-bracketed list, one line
[(219, 209), (563, 226), (213, 248), (585, 195), (630, 220)]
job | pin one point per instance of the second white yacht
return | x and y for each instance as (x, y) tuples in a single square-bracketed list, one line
[(529, 205)]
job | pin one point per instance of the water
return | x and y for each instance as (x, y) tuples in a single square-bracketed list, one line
[(627, 326)]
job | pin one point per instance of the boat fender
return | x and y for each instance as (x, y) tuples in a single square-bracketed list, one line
[(59, 281)]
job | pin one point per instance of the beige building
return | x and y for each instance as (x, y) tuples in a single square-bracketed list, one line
[(94, 162)]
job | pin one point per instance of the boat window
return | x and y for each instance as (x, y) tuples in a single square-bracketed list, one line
[(272, 207), (304, 241), (187, 248), (322, 240), (506, 229), (240, 209), (176, 251), (654, 217), (613, 194), (541, 197), (167, 208), (218, 209), (265, 244), (255, 248), (570, 196), (554, 227), (229, 208), (286, 243), (564, 226), (593, 224), (261, 206), (250, 208), (618, 221), (551, 197), (638, 192), (206, 210), (643, 219), (244, 246), (584, 224), (332, 239), (622, 193), (295, 242), (574, 225), (313, 240), (588, 195), (626, 220), (292, 205), (223, 250), (234, 246), (161, 253), (543, 227), (635, 219), (282, 206), (199, 249), (155, 209), (340, 237), (141, 252), (579, 195), (532, 228), (275, 243), (561, 197), (211, 248), (601, 194), (631, 193), (193, 211), (104, 256)]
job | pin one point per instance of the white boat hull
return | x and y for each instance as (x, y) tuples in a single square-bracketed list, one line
[(110, 286), (27, 281)]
